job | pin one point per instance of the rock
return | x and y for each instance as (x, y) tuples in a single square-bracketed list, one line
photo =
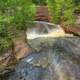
[(21, 46)]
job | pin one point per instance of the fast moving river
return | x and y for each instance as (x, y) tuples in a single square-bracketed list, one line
[(58, 62)]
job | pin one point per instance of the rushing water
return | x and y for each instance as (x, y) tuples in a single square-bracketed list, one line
[(57, 59), (58, 62), (44, 29)]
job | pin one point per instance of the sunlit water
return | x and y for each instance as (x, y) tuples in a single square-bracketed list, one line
[(39, 29)]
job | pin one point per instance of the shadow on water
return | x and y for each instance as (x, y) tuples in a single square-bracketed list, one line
[(58, 62)]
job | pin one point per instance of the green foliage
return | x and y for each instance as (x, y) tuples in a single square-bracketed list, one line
[(77, 8), (39, 2), (14, 15), (76, 2), (5, 39), (68, 12), (23, 14), (62, 9), (55, 6), (5, 44)]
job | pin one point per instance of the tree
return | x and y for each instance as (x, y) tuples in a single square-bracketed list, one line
[(14, 15), (61, 9), (55, 6), (68, 14)]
